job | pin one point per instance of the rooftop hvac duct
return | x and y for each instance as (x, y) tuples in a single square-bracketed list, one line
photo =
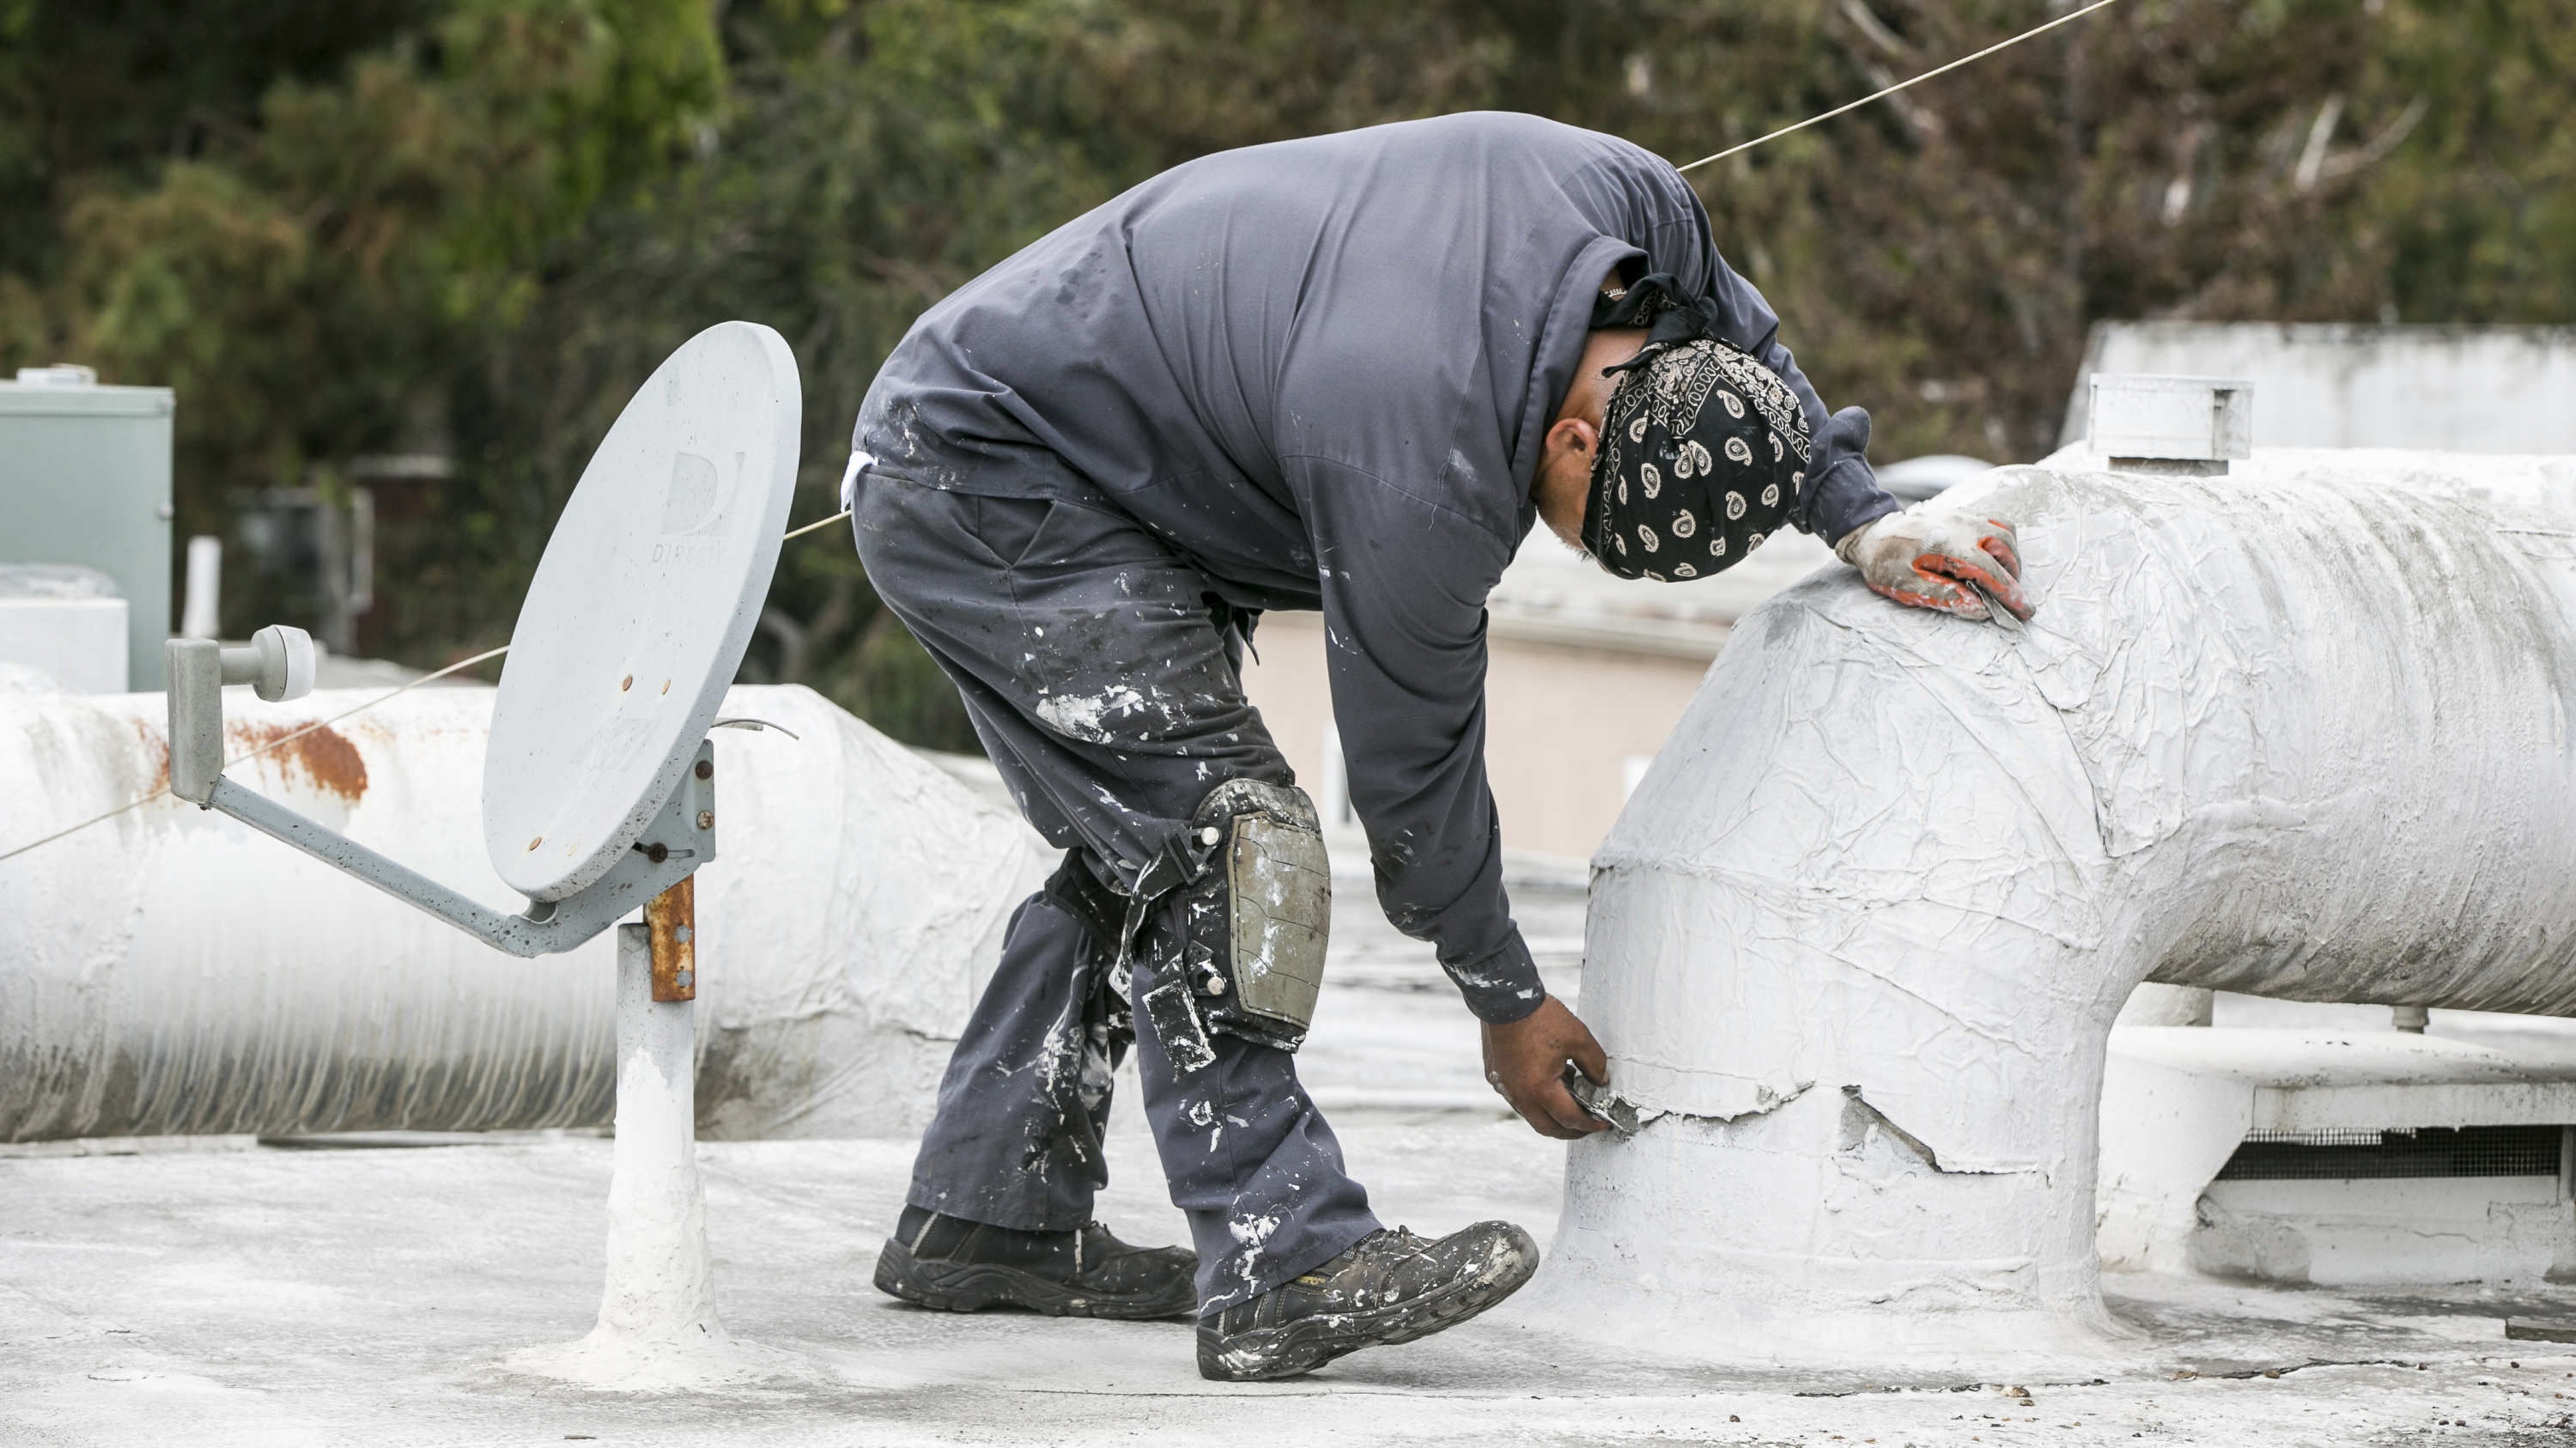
[(172, 972), (1857, 942)]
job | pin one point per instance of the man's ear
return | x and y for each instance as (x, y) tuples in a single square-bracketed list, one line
[(1573, 434)]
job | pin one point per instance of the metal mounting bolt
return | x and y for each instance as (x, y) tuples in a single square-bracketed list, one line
[(706, 769), (706, 819)]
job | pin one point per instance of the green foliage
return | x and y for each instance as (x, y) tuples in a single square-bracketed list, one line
[(344, 227), (2477, 211)]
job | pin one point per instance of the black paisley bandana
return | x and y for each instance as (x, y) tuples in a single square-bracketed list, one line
[(1703, 450)]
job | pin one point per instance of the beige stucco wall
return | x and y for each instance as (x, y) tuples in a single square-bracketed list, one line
[(1564, 725)]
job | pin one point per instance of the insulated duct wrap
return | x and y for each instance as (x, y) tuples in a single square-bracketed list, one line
[(174, 973), (1857, 942)]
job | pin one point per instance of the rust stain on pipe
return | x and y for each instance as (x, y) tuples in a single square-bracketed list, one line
[(325, 756), (156, 749), (672, 919)]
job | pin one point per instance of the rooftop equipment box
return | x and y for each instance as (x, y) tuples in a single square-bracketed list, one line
[(85, 479)]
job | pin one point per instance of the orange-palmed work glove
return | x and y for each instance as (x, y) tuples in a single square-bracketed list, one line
[(1942, 558)]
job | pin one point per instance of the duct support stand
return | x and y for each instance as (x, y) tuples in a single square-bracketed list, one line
[(657, 1327)]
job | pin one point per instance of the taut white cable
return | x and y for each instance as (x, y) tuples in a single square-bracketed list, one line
[(277, 743), (1900, 85)]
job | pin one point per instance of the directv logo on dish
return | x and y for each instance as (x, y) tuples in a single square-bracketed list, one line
[(694, 515)]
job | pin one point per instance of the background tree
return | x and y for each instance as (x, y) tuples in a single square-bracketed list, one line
[(472, 226)]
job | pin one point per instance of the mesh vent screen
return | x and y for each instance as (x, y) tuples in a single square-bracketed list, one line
[(2424, 1151)]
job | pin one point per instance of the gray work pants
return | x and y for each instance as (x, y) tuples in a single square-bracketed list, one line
[(1108, 695)]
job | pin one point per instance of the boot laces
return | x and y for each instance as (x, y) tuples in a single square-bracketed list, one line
[(1399, 1241)]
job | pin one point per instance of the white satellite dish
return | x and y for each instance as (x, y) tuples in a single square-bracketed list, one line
[(598, 784), (641, 609), (629, 637)]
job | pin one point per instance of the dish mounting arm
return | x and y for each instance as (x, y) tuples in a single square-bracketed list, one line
[(279, 665)]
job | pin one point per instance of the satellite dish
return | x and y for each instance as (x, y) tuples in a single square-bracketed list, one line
[(641, 609), (630, 635)]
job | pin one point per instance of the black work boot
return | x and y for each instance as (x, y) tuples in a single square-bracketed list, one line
[(961, 1266), (1392, 1287)]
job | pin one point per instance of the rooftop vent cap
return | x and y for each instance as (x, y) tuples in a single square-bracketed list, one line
[(2178, 425)]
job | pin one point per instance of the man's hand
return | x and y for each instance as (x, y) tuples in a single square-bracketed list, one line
[(1525, 1063), (1940, 558)]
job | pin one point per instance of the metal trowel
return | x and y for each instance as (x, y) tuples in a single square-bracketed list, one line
[(1995, 609), (1599, 1102)]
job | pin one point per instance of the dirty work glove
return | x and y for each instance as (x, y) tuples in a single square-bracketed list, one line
[(1939, 558)]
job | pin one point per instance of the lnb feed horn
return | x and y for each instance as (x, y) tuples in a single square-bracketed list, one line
[(598, 780)]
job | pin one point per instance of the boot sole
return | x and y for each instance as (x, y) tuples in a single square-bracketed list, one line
[(1308, 1343), (974, 1286)]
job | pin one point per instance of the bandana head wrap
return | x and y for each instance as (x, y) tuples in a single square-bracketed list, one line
[(1703, 449)]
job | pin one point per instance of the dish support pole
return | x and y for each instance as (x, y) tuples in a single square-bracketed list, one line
[(661, 1278)]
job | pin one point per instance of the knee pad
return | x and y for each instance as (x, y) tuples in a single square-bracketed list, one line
[(1255, 917)]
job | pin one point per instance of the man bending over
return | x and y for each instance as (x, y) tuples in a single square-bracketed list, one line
[(1347, 374)]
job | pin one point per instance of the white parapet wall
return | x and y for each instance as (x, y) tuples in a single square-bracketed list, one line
[(1857, 943), (172, 972), (2336, 385)]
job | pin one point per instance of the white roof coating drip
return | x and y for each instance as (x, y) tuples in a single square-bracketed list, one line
[(641, 609)]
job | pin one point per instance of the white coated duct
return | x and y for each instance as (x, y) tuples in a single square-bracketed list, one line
[(172, 972), (1857, 942), (2537, 480)]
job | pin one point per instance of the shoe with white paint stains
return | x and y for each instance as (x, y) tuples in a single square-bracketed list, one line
[(1392, 1287), (959, 1266)]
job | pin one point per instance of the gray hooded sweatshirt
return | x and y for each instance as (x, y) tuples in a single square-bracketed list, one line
[(1320, 371)]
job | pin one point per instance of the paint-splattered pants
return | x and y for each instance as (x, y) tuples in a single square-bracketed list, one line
[(1106, 690)]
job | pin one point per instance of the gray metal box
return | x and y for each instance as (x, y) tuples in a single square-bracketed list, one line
[(2182, 419), (85, 478)]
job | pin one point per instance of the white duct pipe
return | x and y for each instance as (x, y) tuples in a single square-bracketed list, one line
[(175, 973), (1857, 943)]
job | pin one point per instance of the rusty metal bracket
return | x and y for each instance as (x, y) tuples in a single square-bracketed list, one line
[(672, 918)]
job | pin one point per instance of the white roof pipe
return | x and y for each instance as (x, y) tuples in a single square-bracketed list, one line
[(1857, 942), (172, 972)]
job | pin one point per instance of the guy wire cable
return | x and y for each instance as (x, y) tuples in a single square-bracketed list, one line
[(1901, 85), (277, 743), (359, 708), (1732, 150), (1747, 146), (816, 526), (794, 533)]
